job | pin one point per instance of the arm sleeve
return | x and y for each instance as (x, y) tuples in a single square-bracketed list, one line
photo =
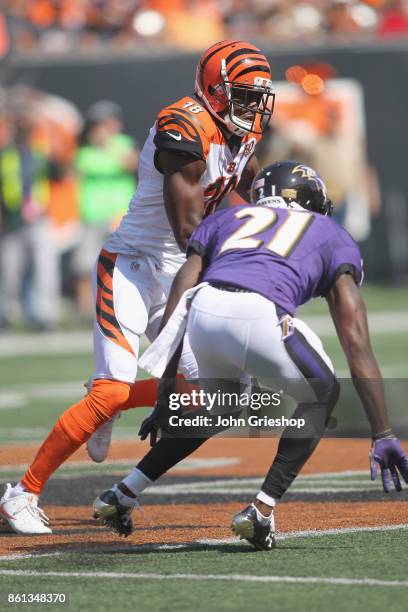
[(180, 131)]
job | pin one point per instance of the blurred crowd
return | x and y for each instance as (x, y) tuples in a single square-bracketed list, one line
[(59, 26), (65, 181)]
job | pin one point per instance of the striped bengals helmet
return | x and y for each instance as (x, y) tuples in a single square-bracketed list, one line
[(233, 80)]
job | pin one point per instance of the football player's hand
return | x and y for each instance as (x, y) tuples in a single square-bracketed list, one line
[(390, 456), (150, 426), (160, 414)]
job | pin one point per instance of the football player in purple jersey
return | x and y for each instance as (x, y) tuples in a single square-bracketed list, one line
[(258, 263)]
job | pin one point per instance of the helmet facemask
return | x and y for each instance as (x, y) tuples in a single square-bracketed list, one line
[(249, 107)]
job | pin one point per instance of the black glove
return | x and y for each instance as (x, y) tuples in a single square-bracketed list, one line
[(150, 425), (159, 416)]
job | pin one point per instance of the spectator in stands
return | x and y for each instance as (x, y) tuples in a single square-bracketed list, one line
[(339, 19), (394, 19), (58, 26), (27, 249), (196, 25), (106, 164)]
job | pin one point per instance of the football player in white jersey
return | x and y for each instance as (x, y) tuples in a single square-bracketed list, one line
[(199, 149)]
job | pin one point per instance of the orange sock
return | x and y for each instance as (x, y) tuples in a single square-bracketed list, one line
[(142, 393), (73, 428), (81, 420)]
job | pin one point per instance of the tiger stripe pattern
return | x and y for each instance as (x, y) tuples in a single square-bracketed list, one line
[(105, 311)]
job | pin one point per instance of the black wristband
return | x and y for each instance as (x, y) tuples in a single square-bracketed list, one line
[(388, 433)]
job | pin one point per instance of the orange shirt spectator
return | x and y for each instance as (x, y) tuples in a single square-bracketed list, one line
[(197, 26), (42, 13)]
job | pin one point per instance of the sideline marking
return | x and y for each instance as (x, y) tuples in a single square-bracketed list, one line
[(224, 577)]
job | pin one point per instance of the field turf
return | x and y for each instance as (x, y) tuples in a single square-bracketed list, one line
[(341, 542)]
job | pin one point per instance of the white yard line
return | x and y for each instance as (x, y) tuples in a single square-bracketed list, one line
[(18, 556), (11, 345), (21, 395), (12, 398), (336, 482), (397, 370), (309, 533), (213, 577), (315, 533), (53, 343), (327, 482), (320, 483), (381, 322), (190, 463), (15, 436), (170, 491)]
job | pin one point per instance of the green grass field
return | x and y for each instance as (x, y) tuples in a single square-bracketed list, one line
[(34, 389), (222, 578), (356, 571)]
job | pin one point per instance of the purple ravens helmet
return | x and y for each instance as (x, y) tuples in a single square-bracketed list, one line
[(286, 183)]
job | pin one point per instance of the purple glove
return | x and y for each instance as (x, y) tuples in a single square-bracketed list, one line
[(388, 453)]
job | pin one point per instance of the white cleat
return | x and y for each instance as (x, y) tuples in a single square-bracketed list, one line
[(22, 513), (99, 443)]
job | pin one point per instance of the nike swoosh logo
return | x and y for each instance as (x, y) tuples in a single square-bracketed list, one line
[(178, 137)]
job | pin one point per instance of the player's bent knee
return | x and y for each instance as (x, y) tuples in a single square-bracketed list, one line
[(334, 393), (110, 394), (327, 391), (105, 399), (331, 399)]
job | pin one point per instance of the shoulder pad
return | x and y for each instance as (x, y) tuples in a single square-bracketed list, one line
[(185, 126)]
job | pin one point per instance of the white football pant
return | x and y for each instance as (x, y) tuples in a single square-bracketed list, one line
[(235, 336), (131, 295)]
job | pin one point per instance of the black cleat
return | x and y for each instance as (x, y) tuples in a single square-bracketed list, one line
[(247, 526), (108, 510)]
